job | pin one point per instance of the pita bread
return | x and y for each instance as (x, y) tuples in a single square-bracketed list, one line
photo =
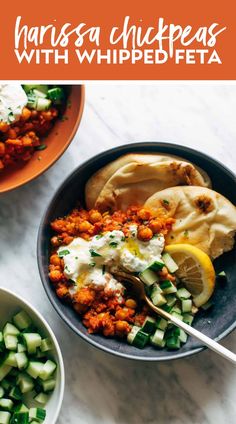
[(204, 218), (96, 183), (134, 183)]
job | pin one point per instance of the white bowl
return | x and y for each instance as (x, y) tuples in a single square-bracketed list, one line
[(10, 304)]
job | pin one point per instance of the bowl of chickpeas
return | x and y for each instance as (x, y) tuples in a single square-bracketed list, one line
[(37, 124), (71, 235)]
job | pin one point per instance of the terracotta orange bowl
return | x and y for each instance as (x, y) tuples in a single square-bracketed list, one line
[(57, 142)]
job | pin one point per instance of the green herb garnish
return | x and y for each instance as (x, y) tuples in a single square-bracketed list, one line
[(92, 264), (186, 233), (64, 253), (166, 202), (103, 269), (93, 253), (113, 244), (41, 147)]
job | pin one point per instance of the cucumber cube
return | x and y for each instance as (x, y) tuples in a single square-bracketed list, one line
[(38, 414), (149, 325), (47, 370), (6, 404), (183, 293), (4, 370), (46, 345), (22, 320), (10, 342), (186, 305), (5, 417), (11, 330), (34, 369), (49, 385)]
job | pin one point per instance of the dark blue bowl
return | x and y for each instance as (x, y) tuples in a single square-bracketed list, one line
[(216, 322)]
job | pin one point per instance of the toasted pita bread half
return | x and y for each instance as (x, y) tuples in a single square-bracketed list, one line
[(203, 217), (96, 183), (134, 183)]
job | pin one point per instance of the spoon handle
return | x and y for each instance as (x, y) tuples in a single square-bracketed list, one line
[(207, 341)]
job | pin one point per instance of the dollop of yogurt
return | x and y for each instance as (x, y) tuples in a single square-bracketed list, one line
[(12, 101), (88, 262)]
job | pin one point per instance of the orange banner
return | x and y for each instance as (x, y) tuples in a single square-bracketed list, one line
[(125, 40)]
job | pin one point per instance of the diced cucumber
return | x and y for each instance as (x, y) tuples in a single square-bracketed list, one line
[(168, 287), (39, 93), (4, 370), (47, 370), (6, 404), (137, 338), (48, 385), (162, 323), (183, 293), (157, 338), (38, 414), (173, 342), (11, 342), (21, 408), (166, 308), (10, 359), (41, 398), (32, 101), (149, 325), (156, 266), (186, 305), (41, 87), (32, 341), (22, 320), (148, 277), (2, 391), (46, 345), (15, 393), (131, 335), (183, 336), (22, 360), (158, 299), (25, 383), (34, 369), (222, 275), (188, 319), (169, 262), (20, 418), (21, 348), (176, 315), (176, 309), (5, 417), (43, 104), (171, 300), (56, 95), (10, 330)]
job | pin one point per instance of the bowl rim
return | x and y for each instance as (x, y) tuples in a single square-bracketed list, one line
[(52, 299), (60, 153), (55, 342)]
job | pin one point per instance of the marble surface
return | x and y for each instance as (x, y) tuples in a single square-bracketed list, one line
[(101, 388)]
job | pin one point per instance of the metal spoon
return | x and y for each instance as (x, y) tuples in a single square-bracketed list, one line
[(139, 291)]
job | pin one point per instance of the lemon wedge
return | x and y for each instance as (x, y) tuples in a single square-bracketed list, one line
[(195, 271)]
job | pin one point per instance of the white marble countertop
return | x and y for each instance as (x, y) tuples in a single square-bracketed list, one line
[(101, 388)]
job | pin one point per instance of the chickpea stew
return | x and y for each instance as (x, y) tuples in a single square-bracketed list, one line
[(27, 114), (87, 246)]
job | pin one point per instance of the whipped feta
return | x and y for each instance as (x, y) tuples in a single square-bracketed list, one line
[(89, 262), (12, 101)]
